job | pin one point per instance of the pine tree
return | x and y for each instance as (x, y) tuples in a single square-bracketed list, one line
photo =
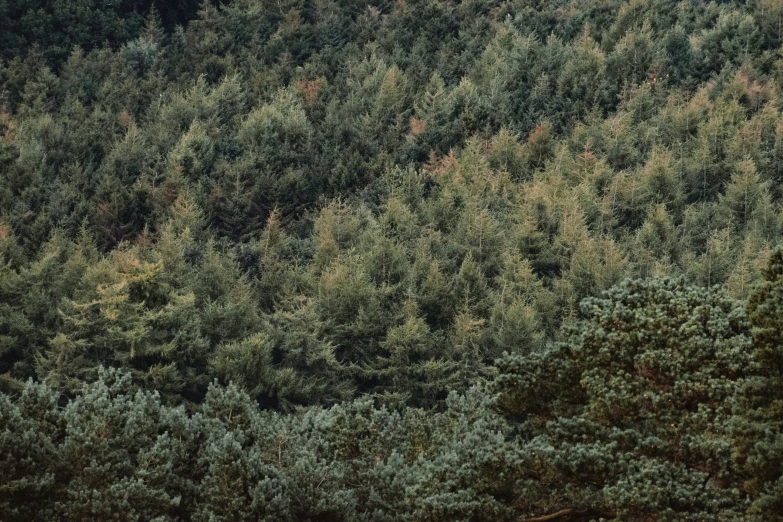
[(758, 447), (627, 416), (745, 195)]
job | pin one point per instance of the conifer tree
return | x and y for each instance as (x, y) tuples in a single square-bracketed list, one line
[(649, 373), (758, 447)]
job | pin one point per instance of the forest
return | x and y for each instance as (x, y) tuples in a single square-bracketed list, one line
[(391, 260)]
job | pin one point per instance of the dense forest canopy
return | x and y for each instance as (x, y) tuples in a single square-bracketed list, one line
[(391, 260)]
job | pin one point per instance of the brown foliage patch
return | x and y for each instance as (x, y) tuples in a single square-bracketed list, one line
[(310, 89), (418, 126), (124, 118), (436, 165)]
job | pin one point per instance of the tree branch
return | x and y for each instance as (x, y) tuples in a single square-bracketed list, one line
[(558, 514), (569, 512)]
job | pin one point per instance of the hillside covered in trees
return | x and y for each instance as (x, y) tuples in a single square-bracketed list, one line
[(420, 260)]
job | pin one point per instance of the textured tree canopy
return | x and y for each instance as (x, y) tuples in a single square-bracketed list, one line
[(629, 414), (421, 260)]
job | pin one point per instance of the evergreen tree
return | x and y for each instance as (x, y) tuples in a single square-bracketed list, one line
[(626, 417), (758, 447)]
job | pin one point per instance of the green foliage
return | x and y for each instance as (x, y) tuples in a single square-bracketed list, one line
[(757, 426), (116, 454), (625, 418), (362, 216), (628, 414)]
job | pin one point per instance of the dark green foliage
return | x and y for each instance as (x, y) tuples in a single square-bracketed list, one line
[(626, 419), (628, 415), (54, 28), (758, 423), (116, 454), (360, 217)]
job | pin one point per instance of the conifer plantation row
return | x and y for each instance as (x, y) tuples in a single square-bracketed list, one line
[(391, 260)]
